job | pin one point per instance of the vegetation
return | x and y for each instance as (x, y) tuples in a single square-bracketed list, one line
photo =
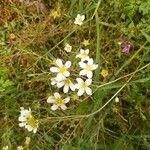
[(33, 33)]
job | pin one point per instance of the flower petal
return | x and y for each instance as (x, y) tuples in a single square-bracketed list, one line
[(82, 64), (79, 80), (60, 77), (60, 84), (63, 107), (66, 89), (66, 100), (59, 62), (57, 95), (89, 74), (54, 107), (67, 73), (54, 69), (90, 61), (68, 64), (82, 73), (22, 124), (87, 51), (88, 91), (50, 99), (72, 86), (80, 92), (88, 81)]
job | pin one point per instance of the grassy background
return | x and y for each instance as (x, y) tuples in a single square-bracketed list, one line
[(31, 37)]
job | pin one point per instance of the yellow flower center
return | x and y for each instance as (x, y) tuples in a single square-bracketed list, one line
[(89, 67), (84, 55), (32, 121), (58, 101), (67, 81), (62, 69), (83, 85)]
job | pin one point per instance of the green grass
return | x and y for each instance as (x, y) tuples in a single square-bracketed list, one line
[(31, 39)]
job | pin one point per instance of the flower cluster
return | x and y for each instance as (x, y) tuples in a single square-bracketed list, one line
[(27, 120), (63, 80)]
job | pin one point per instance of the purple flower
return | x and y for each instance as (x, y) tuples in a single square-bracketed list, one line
[(126, 48)]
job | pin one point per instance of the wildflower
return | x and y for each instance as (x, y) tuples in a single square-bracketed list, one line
[(83, 86), (27, 120), (68, 48), (19, 148), (79, 19), (5, 148), (55, 14), (117, 100), (53, 81), (104, 73), (57, 101), (83, 55), (126, 48), (61, 69), (27, 141), (67, 84), (88, 68), (85, 42)]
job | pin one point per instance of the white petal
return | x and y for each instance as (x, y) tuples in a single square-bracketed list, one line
[(88, 81), (95, 67), (29, 128), (60, 84), (63, 107), (88, 91), (66, 89), (81, 51), (54, 107), (82, 73), (50, 99), (22, 118), (54, 69), (35, 130), (79, 80), (80, 92), (59, 62), (67, 73), (53, 81), (90, 61), (82, 64), (22, 124), (87, 51), (60, 77), (57, 95), (89, 74), (68, 64), (83, 17), (77, 86), (72, 86), (66, 100)]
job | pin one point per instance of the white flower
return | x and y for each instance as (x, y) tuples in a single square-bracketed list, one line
[(27, 120), (5, 148), (117, 100), (68, 48), (66, 84), (83, 86), (61, 69), (27, 141), (19, 148), (53, 81), (57, 101), (83, 55), (79, 19), (88, 68)]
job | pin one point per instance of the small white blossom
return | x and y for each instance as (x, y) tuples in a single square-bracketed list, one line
[(83, 86), (68, 48), (79, 19), (27, 141), (5, 148), (61, 69), (57, 101), (66, 84), (83, 55), (53, 81), (27, 120), (19, 148), (88, 68), (117, 100)]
